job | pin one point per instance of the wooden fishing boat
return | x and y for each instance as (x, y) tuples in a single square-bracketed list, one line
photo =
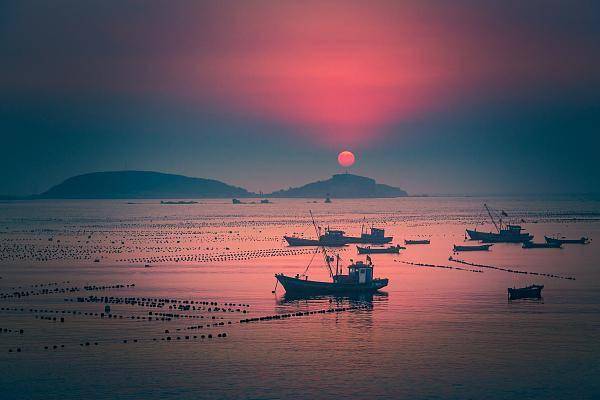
[(532, 245), (359, 280), (582, 240), (379, 250), (481, 247), (529, 292), (504, 234), (417, 241), (331, 238)]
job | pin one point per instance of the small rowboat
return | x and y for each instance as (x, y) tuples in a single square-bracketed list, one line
[(582, 240), (532, 245), (418, 241), (379, 250), (529, 292), (481, 247)]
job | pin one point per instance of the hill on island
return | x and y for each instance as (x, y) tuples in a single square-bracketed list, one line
[(343, 186), (140, 184)]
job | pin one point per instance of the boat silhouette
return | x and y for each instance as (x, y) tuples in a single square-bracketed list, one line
[(505, 233), (358, 280)]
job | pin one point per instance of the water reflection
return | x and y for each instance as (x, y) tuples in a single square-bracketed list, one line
[(351, 298)]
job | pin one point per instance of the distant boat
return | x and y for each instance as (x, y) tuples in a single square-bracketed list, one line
[(481, 247), (529, 292), (417, 241), (359, 280), (236, 201), (265, 201), (582, 240), (331, 238), (336, 238), (375, 236), (379, 250), (504, 234), (547, 245)]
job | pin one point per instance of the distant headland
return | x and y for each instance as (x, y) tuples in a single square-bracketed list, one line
[(157, 185), (343, 186)]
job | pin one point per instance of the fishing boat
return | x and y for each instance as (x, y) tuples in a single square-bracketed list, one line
[(505, 233), (529, 292), (358, 280), (582, 240), (547, 245), (481, 247), (337, 238), (417, 241), (331, 238), (379, 250), (374, 236)]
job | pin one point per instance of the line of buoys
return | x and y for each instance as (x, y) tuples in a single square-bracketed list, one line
[(303, 314), (439, 266), (9, 330), (514, 271), (161, 302), (126, 341)]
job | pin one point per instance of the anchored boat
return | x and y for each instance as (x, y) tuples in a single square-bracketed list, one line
[(379, 250), (582, 240), (358, 280), (505, 233), (481, 247), (529, 292), (547, 245), (337, 238), (417, 241), (331, 238)]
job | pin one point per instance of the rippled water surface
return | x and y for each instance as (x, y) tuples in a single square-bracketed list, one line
[(434, 332)]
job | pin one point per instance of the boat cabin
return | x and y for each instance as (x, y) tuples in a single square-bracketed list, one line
[(511, 230), (376, 233), (333, 234), (358, 273)]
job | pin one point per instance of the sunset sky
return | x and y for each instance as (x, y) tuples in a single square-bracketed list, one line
[(432, 96)]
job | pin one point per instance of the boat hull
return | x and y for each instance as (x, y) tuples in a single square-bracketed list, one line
[(367, 250), (294, 241), (370, 240), (582, 240), (531, 292), (417, 242), (491, 237), (300, 286), (547, 245), (483, 247)]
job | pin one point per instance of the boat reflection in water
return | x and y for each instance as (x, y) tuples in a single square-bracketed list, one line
[(338, 298)]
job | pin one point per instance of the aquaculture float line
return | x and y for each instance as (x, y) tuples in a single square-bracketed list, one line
[(439, 266), (173, 339), (303, 314), (514, 271)]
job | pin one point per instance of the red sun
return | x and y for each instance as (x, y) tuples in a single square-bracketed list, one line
[(346, 158)]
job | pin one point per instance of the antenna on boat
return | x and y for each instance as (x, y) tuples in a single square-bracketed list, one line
[(492, 218), (322, 247)]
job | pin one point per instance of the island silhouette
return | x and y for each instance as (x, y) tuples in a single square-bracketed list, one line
[(157, 185)]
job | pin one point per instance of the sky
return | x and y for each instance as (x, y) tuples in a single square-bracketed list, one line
[(461, 97)]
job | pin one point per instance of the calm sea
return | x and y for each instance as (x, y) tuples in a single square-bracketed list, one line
[(192, 270)]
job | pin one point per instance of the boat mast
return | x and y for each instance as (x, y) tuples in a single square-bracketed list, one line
[(491, 216), (322, 247)]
